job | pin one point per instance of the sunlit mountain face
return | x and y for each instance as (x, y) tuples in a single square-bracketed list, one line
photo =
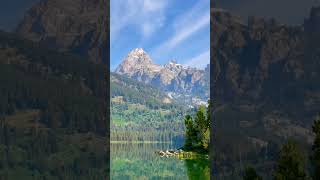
[(176, 80)]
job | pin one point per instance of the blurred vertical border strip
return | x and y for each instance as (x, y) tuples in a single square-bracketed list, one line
[(105, 49), (213, 164)]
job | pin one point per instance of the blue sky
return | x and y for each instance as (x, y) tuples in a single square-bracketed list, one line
[(167, 30)]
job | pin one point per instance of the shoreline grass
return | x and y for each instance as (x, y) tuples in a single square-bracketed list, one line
[(192, 155)]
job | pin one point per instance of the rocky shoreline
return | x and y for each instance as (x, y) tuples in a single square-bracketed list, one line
[(168, 153), (181, 154)]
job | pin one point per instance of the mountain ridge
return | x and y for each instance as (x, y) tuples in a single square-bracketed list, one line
[(170, 77)]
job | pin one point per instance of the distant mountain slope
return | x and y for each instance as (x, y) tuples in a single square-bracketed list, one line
[(73, 25), (135, 91), (141, 112), (171, 77), (266, 85)]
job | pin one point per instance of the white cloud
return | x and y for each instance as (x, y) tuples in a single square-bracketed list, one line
[(200, 61), (153, 5), (146, 15), (194, 13), (185, 26)]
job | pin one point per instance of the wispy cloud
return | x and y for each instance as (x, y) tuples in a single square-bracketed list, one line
[(185, 26), (145, 15), (167, 29), (199, 61)]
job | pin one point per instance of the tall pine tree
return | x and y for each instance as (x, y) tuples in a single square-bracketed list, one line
[(189, 132), (209, 113)]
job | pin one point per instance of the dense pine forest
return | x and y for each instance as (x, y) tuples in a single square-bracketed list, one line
[(139, 113), (52, 113)]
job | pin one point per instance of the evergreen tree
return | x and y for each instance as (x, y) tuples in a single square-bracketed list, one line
[(198, 130), (189, 131), (201, 127), (315, 157), (209, 114), (206, 139), (251, 174), (291, 163)]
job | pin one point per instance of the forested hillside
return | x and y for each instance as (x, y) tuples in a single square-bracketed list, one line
[(141, 112), (52, 112)]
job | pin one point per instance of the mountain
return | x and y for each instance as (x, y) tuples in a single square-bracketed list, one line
[(142, 112), (69, 25), (266, 89), (134, 91), (172, 77)]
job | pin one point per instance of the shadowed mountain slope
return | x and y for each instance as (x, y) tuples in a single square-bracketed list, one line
[(266, 86)]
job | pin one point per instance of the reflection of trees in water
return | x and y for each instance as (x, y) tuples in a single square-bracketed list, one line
[(138, 150), (198, 169), (139, 161)]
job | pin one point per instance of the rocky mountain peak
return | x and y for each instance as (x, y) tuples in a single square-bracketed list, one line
[(138, 51), (171, 77), (174, 66), (137, 62), (173, 61), (139, 56)]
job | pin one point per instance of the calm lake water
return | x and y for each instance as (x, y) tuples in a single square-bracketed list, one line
[(139, 161)]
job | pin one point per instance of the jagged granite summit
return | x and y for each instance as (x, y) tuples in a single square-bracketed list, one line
[(171, 77), (138, 64)]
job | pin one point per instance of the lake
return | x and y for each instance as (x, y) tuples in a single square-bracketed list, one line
[(139, 161)]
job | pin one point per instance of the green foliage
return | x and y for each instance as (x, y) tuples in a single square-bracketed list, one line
[(138, 113), (138, 161), (198, 130), (291, 163), (315, 157), (190, 131), (209, 109), (251, 174), (205, 139), (136, 92), (198, 169)]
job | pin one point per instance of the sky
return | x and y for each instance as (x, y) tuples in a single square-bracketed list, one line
[(12, 12), (166, 29)]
